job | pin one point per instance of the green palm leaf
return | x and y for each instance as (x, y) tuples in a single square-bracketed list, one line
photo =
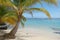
[(51, 1), (41, 10), (23, 18), (8, 3), (3, 10), (10, 18), (22, 23)]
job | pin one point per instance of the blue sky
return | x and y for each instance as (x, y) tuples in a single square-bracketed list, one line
[(52, 9)]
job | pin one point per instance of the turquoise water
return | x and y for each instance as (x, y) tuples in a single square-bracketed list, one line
[(43, 23)]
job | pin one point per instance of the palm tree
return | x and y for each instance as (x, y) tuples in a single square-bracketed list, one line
[(7, 14), (21, 6)]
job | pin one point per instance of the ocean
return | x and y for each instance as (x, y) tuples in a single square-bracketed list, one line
[(37, 23), (47, 24)]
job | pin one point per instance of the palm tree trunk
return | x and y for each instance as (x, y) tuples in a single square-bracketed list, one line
[(14, 30), (11, 34)]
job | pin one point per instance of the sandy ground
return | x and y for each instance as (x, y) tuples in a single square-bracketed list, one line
[(35, 34)]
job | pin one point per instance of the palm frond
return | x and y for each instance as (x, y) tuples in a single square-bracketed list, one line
[(41, 10), (25, 2), (30, 12), (23, 19), (27, 10), (8, 3), (51, 1), (3, 10), (10, 18), (30, 2), (22, 23)]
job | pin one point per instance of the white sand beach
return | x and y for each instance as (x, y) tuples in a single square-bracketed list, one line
[(35, 34)]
